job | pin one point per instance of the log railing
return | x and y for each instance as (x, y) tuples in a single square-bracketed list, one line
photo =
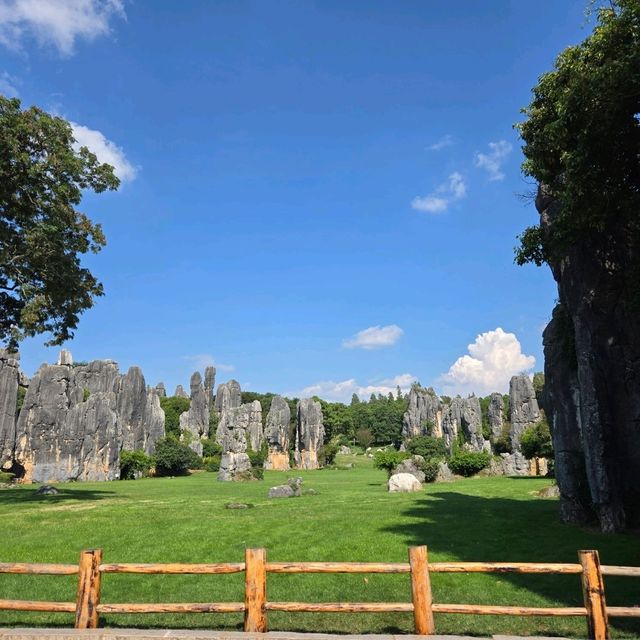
[(90, 571)]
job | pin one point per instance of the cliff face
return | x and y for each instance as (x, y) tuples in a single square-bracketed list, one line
[(75, 421), (592, 371)]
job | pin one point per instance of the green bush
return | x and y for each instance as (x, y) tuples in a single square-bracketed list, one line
[(133, 463), (388, 460), (327, 454), (430, 470), (502, 444), (173, 406), (468, 463), (174, 458), (5, 477), (210, 448), (535, 441), (211, 463), (427, 447)]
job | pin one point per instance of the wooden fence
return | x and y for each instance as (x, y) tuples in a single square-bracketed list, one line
[(90, 570)]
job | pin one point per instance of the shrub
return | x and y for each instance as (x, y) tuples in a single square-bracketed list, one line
[(133, 463), (86, 394), (535, 441), (210, 448), (364, 437), (388, 460), (211, 463), (173, 406), (468, 463), (430, 470), (427, 447), (502, 444), (327, 454), (174, 458), (5, 477)]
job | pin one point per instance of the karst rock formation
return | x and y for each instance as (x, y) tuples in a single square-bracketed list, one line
[(276, 434), (75, 420), (592, 376), (309, 434)]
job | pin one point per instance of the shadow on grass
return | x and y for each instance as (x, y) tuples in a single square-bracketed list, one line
[(24, 496), (463, 527)]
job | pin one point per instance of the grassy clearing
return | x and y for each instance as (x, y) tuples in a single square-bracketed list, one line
[(351, 518)]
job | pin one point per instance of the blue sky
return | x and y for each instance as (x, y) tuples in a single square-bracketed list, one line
[(318, 197)]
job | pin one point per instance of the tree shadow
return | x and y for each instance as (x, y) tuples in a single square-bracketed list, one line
[(463, 527), (20, 495)]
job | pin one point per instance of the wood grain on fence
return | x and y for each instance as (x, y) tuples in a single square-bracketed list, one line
[(90, 569)]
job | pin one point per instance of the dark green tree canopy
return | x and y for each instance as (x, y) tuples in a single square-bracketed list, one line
[(43, 287), (582, 137)]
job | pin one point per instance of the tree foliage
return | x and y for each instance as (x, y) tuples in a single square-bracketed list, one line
[(582, 138), (173, 407), (43, 287), (535, 441)]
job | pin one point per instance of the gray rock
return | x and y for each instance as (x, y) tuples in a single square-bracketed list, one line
[(562, 395), (210, 383), (180, 392), (412, 465), (471, 422), (276, 434), (523, 408), (229, 396), (403, 483), (309, 434), (515, 464), (9, 383), (76, 420), (47, 490), (160, 390), (238, 429), (344, 450), (496, 408), (423, 415), (552, 491), (282, 491), (444, 474), (237, 505), (65, 357), (194, 423)]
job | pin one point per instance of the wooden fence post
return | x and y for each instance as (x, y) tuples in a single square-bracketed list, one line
[(593, 591), (255, 590), (88, 595), (421, 591)]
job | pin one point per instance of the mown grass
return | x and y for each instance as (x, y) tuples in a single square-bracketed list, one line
[(352, 517)]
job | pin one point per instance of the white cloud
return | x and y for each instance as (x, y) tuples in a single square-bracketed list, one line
[(374, 337), (8, 85), (493, 358), (58, 23), (492, 162), (438, 201), (342, 391), (105, 150), (202, 360), (442, 143)]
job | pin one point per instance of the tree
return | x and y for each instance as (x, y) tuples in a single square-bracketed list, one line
[(582, 139), (535, 441), (43, 287)]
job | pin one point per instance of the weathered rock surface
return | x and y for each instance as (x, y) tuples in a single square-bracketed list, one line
[(464, 416), (161, 390), (344, 450), (75, 421), (423, 415), (309, 434), (523, 408), (238, 429), (209, 383), (180, 392), (293, 489), (228, 396), (403, 483), (495, 414), (413, 466), (65, 357), (9, 383), (276, 434), (444, 473), (562, 394), (514, 464), (194, 423)]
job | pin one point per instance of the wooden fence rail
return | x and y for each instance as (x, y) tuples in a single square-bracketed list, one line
[(90, 570)]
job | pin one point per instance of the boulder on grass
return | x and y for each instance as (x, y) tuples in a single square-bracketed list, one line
[(412, 465), (403, 483)]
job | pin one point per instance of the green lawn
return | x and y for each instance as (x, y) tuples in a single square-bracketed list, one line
[(352, 517)]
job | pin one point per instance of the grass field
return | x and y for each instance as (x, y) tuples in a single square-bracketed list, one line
[(352, 517)]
